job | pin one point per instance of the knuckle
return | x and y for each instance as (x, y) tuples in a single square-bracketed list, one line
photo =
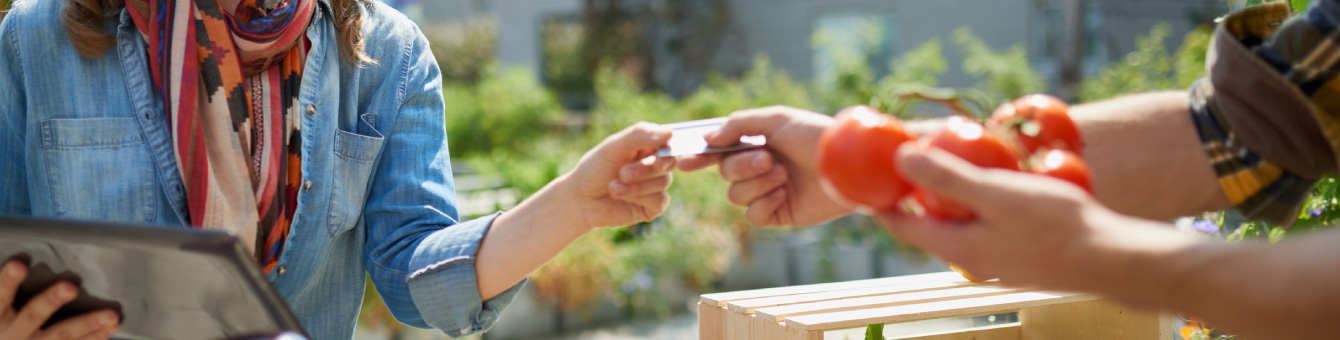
[(643, 126), (32, 317), (734, 197)]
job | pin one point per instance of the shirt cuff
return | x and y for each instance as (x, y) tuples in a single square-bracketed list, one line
[(1261, 109), (444, 286)]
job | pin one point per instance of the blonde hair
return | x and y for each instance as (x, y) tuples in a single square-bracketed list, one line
[(83, 21)]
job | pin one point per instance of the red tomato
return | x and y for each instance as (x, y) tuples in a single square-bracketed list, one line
[(856, 159), (1038, 121), (1064, 165), (970, 141)]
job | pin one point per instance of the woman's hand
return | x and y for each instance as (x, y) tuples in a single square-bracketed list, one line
[(26, 323), (621, 181)]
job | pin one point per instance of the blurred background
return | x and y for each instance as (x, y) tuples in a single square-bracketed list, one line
[(531, 84)]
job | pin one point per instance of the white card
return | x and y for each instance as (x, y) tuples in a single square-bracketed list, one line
[(688, 139)]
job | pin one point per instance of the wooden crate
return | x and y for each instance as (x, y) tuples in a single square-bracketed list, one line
[(806, 312)]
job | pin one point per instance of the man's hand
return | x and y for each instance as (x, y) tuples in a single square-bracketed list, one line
[(1031, 230), (26, 323), (780, 184)]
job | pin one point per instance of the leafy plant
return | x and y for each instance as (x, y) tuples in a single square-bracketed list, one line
[(874, 332), (1150, 67), (1005, 74)]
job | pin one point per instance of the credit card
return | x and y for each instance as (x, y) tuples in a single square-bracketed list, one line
[(688, 139)]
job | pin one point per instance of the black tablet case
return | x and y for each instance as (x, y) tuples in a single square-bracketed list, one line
[(166, 283)]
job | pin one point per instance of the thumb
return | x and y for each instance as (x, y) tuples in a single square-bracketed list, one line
[(634, 140), (949, 176), (753, 122)]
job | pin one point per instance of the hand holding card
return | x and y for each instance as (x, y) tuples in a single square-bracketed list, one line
[(688, 139)]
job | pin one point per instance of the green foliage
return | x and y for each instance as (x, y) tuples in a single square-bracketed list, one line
[(463, 49), (916, 70), (874, 332), (1150, 67), (760, 86), (565, 69), (1299, 5), (852, 81), (1005, 74), (506, 109)]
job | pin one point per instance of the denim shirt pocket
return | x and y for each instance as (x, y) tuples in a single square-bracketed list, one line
[(356, 155), (99, 169)]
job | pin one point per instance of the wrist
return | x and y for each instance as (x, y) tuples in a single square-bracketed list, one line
[(1142, 263), (565, 202), (557, 206)]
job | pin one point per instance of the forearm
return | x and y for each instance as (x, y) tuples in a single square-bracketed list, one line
[(1288, 290), (1146, 157), (1282, 291), (524, 238)]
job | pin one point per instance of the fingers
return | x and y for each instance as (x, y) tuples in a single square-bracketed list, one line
[(952, 177), (654, 204), (40, 308), (634, 140), (746, 164), (753, 122), (88, 326), (11, 275), (946, 239), (698, 162), (103, 335), (769, 210), (646, 168), (619, 189), (744, 193)]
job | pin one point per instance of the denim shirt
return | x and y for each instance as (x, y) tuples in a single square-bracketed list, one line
[(85, 139)]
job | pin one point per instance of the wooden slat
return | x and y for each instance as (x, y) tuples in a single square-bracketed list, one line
[(930, 310), (1096, 320), (719, 299), (710, 322), (780, 313), (1009, 331), (749, 305)]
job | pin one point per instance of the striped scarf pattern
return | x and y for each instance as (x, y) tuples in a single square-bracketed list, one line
[(228, 72)]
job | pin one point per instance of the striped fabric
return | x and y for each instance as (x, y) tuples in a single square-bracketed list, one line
[(1303, 53), (228, 72), (1260, 190)]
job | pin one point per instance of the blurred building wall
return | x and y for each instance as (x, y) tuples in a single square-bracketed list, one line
[(782, 29)]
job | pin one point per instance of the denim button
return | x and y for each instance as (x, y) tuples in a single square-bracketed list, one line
[(282, 270), (307, 186), (311, 109)]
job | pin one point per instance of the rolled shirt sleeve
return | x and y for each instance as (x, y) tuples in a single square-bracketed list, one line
[(418, 253), (445, 286), (1267, 112)]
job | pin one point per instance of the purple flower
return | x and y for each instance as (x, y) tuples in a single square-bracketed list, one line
[(1205, 227), (643, 279), (1316, 212)]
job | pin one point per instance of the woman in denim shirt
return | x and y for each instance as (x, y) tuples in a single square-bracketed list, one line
[(278, 122)]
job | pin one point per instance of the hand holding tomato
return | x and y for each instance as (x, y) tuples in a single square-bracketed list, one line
[(970, 141), (1029, 229)]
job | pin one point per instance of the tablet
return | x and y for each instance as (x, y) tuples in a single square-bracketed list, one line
[(166, 283)]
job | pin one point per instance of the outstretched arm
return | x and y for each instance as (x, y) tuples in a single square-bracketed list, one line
[(1143, 150), (1039, 231)]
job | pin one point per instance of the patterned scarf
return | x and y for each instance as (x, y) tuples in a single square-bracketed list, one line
[(228, 72)]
